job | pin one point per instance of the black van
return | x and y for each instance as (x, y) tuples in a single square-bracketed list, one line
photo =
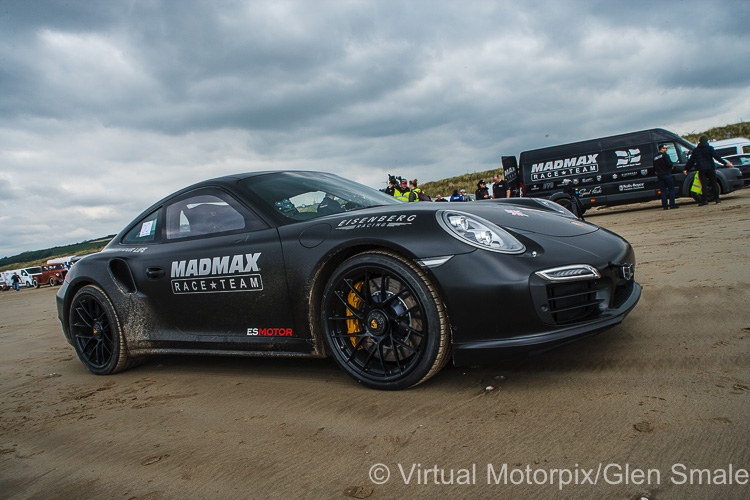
[(608, 171)]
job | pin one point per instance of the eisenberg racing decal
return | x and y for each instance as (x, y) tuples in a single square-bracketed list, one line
[(377, 221), (269, 332), (219, 274), (565, 167)]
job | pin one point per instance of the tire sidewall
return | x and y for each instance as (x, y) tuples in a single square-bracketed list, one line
[(116, 359), (428, 351)]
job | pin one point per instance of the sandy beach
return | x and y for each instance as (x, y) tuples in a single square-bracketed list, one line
[(631, 413)]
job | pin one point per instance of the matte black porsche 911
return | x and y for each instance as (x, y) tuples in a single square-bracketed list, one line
[(310, 264)]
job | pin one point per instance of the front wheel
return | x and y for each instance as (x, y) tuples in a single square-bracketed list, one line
[(384, 322), (96, 332)]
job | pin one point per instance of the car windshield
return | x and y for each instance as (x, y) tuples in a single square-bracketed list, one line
[(298, 196)]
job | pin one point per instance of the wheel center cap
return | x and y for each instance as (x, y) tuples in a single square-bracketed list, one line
[(97, 328), (376, 322)]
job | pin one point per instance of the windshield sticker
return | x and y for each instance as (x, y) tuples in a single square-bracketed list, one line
[(517, 213), (377, 221), (237, 273)]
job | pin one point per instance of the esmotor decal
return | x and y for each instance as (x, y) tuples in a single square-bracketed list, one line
[(377, 221), (269, 332), (217, 274)]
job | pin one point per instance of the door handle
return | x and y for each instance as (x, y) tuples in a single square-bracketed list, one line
[(155, 273)]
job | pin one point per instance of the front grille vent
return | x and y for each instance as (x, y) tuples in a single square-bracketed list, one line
[(572, 302)]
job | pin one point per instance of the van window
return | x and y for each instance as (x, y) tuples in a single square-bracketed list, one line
[(727, 151), (677, 152)]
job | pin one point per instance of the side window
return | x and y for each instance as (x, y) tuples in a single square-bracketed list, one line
[(678, 153), (144, 231), (206, 214), (727, 151)]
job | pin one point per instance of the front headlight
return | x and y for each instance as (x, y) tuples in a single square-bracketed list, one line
[(479, 232)]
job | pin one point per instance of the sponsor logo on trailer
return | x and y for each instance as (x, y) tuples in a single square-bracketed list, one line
[(589, 191), (377, 221), (565, 167), (629, 158), (629, 174), (235, 273), (633, 186)]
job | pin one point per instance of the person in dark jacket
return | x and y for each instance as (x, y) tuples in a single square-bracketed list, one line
[(702, 158), (482, 193), (663, 168)]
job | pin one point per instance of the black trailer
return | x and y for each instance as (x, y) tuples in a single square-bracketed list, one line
[(612, 170)]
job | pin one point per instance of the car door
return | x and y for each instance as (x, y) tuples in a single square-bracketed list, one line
[(217, 276)]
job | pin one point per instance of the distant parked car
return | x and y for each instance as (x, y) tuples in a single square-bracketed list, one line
[(4, 285), (30, 276), (52, 274), (743, 163)]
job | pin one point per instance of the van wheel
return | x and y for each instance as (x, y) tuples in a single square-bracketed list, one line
[(568, 204)]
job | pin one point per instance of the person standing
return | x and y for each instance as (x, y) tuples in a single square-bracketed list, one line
[(402, 192), (482, 193), (415, 193), (500, 187), (456, 197), (663, 168), (14, 281), (702, 158)]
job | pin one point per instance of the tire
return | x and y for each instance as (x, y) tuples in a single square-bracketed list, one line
[(390, 334), (96, 332), (568, 204)]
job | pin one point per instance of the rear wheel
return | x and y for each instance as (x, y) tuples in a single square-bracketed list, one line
[(96, 332), (384, 322)]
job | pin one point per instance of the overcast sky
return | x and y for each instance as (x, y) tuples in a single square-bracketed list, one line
[(107, 106)]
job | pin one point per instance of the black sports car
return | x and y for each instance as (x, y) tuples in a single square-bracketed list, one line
[(310, 264)]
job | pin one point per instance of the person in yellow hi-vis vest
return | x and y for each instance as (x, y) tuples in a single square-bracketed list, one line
[(402, 191)]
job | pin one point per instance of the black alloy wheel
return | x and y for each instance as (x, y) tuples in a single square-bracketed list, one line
[(384, 322), (96, 332)]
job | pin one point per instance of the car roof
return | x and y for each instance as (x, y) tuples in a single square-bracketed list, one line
[(735, 141)]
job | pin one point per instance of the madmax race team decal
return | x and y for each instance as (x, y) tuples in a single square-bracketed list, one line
[(237, 273)]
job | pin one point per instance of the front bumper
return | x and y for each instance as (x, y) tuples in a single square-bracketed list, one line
[(489, 351)]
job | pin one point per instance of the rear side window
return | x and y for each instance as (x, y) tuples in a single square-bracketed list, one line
[(208, 214), (144, 231)]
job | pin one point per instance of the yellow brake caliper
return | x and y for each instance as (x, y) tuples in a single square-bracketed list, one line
[(352, 325)]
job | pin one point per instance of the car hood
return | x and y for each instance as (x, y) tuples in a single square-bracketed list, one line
[(522, 218), (526, 219)]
